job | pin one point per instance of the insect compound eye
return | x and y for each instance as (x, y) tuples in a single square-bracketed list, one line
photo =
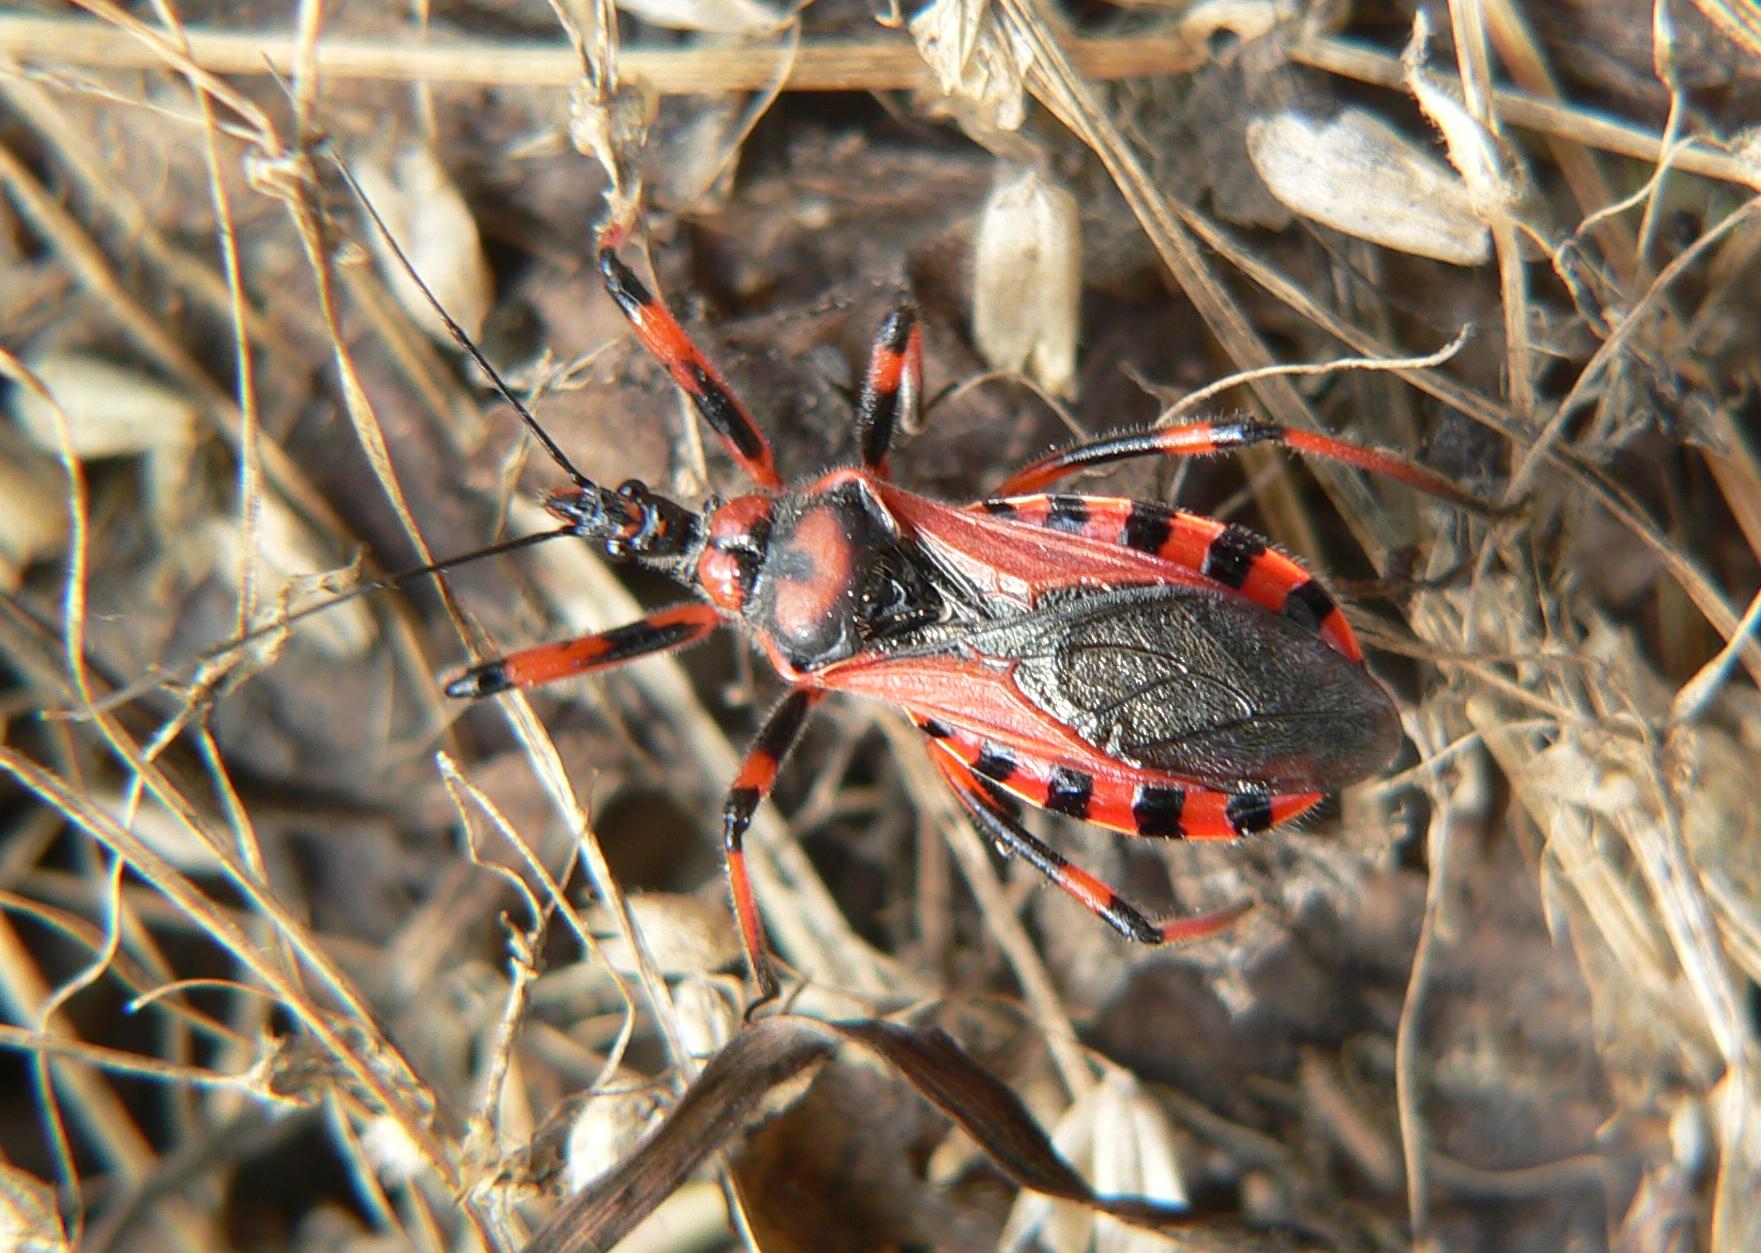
[(746, 547), (636, 490), (738, 538)]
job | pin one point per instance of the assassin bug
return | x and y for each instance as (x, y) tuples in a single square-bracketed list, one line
[(1132, 665)]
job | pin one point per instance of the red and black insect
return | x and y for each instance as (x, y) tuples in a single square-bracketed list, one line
[(1128, 664)]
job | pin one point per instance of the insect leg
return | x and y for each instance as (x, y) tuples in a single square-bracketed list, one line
[(1221, 551), (758, 774), (892, 387), (657, 633), (662, 335), (994, 813), (1197, 439)]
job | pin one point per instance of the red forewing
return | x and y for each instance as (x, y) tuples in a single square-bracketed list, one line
[(1110, 658)]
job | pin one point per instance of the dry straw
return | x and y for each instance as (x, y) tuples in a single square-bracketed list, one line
[(344, 916)]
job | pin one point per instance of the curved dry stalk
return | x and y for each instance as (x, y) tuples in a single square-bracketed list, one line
[(1591, 127)]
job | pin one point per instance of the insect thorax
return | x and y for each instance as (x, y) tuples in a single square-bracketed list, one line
[(839, 578)]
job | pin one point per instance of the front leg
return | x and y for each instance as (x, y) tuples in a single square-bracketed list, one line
[(662, 632), (669, 344)]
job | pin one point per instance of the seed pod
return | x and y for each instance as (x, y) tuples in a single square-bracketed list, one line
[(683, 935), (609, 1126), (1362, 177), (974, 64), (709, 1015), (1120, 1140), (112, 411), (1028, 288), (433, 226), (1492, 180)]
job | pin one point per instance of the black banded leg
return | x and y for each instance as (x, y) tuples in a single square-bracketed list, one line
[(1198, 439), (660, 632), (892, 388), (994, 812), (758, 775), (667, 341)]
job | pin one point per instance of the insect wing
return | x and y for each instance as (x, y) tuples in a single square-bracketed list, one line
[(1198, 684), (1007, 563), (1115, 659)]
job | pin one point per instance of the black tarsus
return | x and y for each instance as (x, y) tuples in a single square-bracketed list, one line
[(484, 680)]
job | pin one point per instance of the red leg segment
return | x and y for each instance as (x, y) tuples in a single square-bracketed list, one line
[(991, 812), (1135, 802), (660, 632), (1221, 551), (662, 335), (891, 388), (757, 776), (1197, 439)]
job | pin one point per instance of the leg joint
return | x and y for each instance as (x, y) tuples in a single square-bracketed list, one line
[(737, 814), (1242, 432)]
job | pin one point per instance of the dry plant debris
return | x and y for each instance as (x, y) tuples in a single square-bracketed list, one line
[(293, 953)]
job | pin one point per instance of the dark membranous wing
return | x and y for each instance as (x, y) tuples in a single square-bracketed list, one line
[(1200, 684)]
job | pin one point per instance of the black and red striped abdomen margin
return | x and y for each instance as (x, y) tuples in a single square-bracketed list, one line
[(1130, 800)]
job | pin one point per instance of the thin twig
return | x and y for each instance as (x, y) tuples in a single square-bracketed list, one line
[(889, 64)]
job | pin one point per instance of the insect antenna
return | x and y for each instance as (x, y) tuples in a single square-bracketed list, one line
[(463, 340), (591, 512), (630, 520), (386, 584), (194, 665)]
